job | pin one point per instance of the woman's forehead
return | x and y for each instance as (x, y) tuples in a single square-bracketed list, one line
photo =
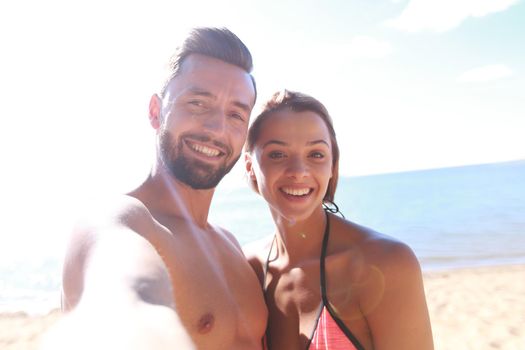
[(286, 124)]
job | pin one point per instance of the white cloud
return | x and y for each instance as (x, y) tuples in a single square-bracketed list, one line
[(367, 47), (357, 48), (443, 15), (485, 73)]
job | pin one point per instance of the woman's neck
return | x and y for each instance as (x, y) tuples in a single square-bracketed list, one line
[(298, 241)]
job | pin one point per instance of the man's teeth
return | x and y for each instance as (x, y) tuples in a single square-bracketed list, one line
[(296, 191), (210, 152)]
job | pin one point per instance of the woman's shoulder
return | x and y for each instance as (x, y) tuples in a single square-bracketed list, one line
[(256, 253), (376, 248), (258, 249)]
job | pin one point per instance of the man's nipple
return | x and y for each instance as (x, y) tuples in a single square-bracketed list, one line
[(205, 323)]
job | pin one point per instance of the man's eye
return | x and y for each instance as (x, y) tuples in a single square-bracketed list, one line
[(197, 106), (237, 116), (197, 103)]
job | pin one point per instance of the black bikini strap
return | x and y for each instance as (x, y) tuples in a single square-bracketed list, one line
[(267, 265), (330, 206), (326, 303), (324, 247)]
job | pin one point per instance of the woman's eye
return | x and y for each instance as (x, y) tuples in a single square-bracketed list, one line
[(276, 155), (318, 155)]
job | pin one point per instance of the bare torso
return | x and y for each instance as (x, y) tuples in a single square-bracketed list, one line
[(364, 274), (217, 295), (294, 296), (211, 285)]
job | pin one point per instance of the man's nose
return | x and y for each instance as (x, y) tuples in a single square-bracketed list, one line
[(215, 122)]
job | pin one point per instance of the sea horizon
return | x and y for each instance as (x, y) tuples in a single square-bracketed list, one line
[(448, 205), (455, 217)]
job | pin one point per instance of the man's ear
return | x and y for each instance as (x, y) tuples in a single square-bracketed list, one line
[(155, 107)]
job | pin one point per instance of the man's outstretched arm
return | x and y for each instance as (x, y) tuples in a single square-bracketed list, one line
[(117, 294)]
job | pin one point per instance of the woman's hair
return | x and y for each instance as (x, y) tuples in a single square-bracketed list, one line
[(298, 102)]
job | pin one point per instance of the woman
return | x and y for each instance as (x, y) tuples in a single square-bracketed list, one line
[(329, 283)]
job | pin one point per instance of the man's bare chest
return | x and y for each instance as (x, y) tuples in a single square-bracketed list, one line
[(216, 293)]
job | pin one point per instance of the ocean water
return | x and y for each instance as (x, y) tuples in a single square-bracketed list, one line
[(452, 217)]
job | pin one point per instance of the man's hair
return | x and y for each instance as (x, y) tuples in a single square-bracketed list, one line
[(219, 43), (298, 102)]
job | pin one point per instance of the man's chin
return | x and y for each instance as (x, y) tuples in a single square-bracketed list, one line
[(201, 180), (198, 175)]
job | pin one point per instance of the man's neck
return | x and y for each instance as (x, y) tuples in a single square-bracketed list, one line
[(163, 194)]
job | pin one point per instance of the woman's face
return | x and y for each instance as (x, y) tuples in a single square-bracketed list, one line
[(291, 163)]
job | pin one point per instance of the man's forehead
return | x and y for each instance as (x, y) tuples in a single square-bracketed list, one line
[(205, 75), (199, 62)]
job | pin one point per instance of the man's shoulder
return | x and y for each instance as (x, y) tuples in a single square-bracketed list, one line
[(116, 209), (110, 213), (112, 244), (110, 220)]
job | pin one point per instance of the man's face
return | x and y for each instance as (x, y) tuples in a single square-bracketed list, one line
[(205, 115)]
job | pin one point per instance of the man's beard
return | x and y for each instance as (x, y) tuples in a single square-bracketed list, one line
[(192, 172)]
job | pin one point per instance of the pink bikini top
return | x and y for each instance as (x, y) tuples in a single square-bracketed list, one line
[(330, 332)]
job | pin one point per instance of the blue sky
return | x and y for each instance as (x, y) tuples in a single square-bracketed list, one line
[(410, 85)]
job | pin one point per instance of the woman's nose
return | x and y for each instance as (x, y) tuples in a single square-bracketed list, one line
[(297, 168)]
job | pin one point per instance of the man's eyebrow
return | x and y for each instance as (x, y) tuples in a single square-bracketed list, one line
[(201, 92), (243, 106)]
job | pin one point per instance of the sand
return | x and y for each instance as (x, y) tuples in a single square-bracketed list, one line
[(18, 331), (481, 308)]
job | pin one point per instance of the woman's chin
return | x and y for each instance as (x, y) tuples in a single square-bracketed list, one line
[(291, 217)]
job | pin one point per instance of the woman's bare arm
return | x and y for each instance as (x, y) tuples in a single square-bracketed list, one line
[(400, 319)]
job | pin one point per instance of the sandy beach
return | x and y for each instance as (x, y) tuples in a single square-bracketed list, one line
[(481, 308)]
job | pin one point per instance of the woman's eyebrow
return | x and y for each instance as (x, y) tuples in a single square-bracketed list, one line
[(309, 143), (275, 142), (312, 143)]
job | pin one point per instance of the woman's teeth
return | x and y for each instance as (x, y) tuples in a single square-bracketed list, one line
[(296, 191)]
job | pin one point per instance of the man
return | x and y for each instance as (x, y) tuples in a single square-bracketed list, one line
[(152, 262)]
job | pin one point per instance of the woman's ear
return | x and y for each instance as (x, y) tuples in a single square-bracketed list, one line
[(155, 106), (248, 164), (250, 173)]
